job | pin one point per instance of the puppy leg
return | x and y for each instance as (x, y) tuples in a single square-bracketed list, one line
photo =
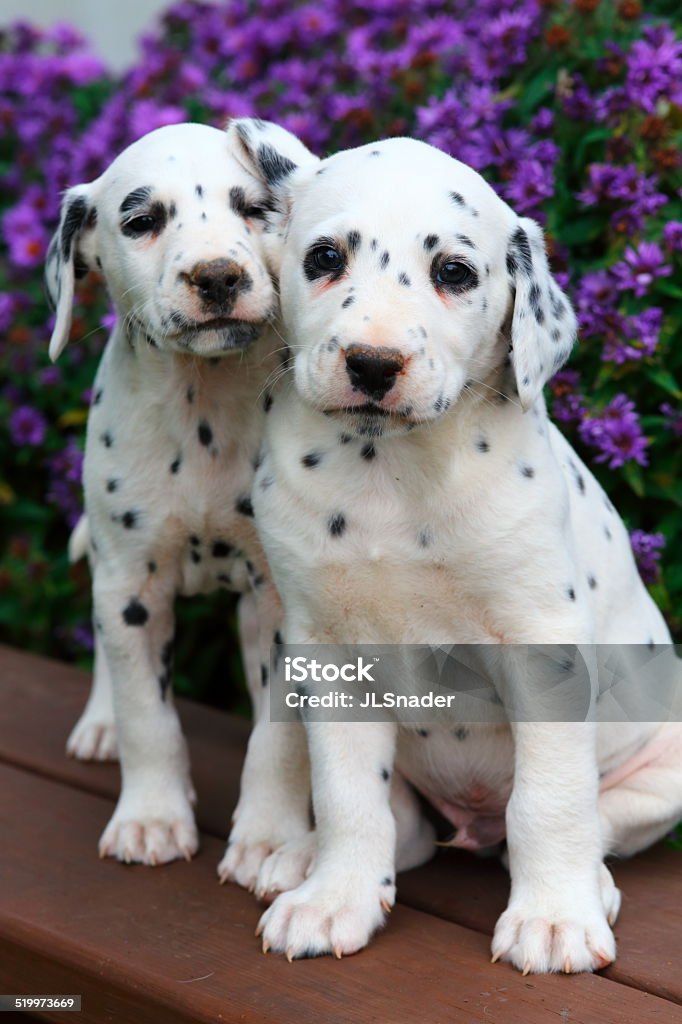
[(556, 919), (153, 822), (93, 737), (274, 800), (646, 804), (291, 864), (352, 886)]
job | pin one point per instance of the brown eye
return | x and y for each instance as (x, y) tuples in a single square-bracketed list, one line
[(453, 273), (142, 225), (327, 259)]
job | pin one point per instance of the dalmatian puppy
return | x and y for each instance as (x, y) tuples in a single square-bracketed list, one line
[(175, 228), (413, 490)]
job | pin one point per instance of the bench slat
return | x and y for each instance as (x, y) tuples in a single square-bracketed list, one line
[(41, 700), (169, 944)]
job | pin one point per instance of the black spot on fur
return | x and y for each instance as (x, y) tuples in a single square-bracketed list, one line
[(404, 279), (221, 549), (151, 566), (244, 506), (112, 485), (138, 197), (190, 393), (527, 471), (385, 774), (534, 297), (353, 241), (519, 256), (465, 240), (311, 459), (106, 439), (425, 537), (430, 242), (264, 675), (348, 301), (73, 221), (194, 540), (199, 191), (337, 524), (175, 464), (97, 397), (460, 733), (135, 613), (130, 518), (457, 198), (205, 434), (570, 593), (195, 556), (368, 451), (592, 582), (346, 438), (482, 445), (384, 259), (267, 401), (273, 165)]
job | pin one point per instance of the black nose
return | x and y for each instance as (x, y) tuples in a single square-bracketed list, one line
[(218, 281), (373, 370)]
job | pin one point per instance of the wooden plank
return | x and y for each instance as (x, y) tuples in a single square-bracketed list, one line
[(169, 944), (40, 700)]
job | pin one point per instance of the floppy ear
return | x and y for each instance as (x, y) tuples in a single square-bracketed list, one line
[(272, 155), (543, 326), (67, 260)]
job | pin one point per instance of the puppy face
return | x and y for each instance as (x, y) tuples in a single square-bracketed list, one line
[(174, 225), (405, 280)]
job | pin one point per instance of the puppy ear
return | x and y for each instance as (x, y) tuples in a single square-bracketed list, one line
[(68, 260), (543, 324), (268, 152)]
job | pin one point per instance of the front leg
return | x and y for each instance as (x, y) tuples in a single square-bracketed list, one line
[(274, 798), (352, 886), (556, 919), (153, 822)]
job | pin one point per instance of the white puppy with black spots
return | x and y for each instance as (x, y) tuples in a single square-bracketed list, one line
[(413, 490), (175, 228)]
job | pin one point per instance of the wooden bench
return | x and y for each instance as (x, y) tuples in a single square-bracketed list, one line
[(169, 945)]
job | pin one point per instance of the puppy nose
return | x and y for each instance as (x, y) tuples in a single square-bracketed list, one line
[(373, 370), (217, 281)]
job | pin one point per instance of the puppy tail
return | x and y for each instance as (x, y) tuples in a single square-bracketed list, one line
[(79, 540)]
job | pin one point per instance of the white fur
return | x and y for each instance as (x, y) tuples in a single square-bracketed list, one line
[(480, 525), (173, 436)]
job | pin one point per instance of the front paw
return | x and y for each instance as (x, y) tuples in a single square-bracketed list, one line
[(287, 867), (148, 831), (93, 739), (538, 938), (329, 913)]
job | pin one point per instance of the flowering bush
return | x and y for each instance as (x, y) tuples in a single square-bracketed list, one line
[(573, 111)]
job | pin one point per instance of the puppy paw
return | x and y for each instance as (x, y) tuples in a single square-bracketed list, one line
[(242, 861), (145, 832), (331, 913), (287, 867), (93, 739), (536, 939)]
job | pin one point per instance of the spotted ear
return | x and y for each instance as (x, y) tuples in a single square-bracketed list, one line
[(268, 152), (543, 324), (67, 260)]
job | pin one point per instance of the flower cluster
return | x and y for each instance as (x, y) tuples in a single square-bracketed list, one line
[(571, 111)]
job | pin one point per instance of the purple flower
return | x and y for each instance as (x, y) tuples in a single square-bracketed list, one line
[(27, 426), (640, 268), (568, 405), (672, 235), (64, 490), (647, 548), (654, 68), (616, 433), (673, 418)]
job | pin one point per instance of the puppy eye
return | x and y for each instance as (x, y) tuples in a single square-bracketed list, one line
[(254, 212), (327, 259), (142, 225), (455, 274), (323, 259)]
